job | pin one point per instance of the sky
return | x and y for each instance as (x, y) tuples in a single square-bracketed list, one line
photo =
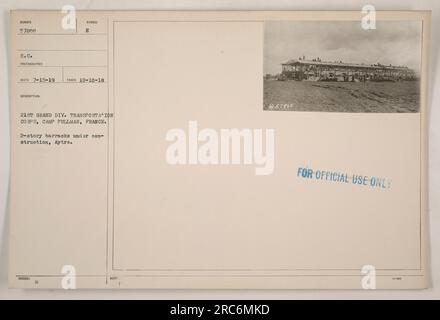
[(392, 42)]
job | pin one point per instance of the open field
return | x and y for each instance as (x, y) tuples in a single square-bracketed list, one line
[(386, 97)]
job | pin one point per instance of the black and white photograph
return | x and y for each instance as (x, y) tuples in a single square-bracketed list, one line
[(338, 66)]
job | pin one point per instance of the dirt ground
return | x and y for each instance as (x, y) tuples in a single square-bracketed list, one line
[(386, 97)]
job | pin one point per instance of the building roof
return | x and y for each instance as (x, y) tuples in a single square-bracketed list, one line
[(342, 64)]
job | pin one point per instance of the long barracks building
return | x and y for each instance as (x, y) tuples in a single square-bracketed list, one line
[(317, 70)]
